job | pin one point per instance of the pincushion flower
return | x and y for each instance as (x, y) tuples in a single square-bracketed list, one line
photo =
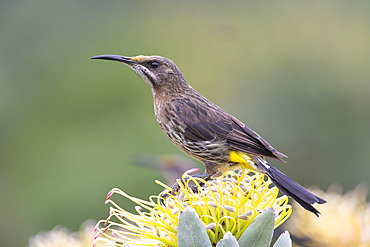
[(345, 221), (228, 203), (61, 237)]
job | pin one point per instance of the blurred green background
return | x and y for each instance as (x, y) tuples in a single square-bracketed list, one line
[(298, 73)]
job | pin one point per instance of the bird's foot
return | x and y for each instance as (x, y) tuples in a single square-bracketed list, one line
[(186, 183)]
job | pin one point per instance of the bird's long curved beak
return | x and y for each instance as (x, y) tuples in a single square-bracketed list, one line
[(123, 59)]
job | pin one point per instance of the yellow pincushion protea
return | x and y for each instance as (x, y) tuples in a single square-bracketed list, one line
[(61, 237), (228, 203), (345, 221)]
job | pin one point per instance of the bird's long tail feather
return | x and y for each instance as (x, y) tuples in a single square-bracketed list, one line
[(290, 187)]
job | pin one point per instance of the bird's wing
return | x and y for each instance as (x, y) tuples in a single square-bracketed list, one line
[(243, 138), (215, 123)]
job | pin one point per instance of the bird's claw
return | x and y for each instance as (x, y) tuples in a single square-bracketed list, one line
[(186, 183)]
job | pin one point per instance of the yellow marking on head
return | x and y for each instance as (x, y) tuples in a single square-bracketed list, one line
[(138, 58)]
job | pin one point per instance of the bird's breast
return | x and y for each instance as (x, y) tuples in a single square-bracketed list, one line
[(211, 150)]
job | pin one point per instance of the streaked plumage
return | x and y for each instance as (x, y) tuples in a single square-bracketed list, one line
[(206, 132)]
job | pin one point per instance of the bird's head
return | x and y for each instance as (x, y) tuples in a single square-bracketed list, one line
[(160, 73)]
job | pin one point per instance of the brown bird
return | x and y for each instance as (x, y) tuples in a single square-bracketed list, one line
[(206, 132)]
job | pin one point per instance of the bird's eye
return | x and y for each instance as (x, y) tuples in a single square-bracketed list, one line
[(154, 64)]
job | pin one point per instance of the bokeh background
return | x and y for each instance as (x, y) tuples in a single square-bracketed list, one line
[(297, 72)]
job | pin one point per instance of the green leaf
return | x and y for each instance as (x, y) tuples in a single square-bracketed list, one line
[(191, 232), (259, 233), (284, 240), (228, 241)]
